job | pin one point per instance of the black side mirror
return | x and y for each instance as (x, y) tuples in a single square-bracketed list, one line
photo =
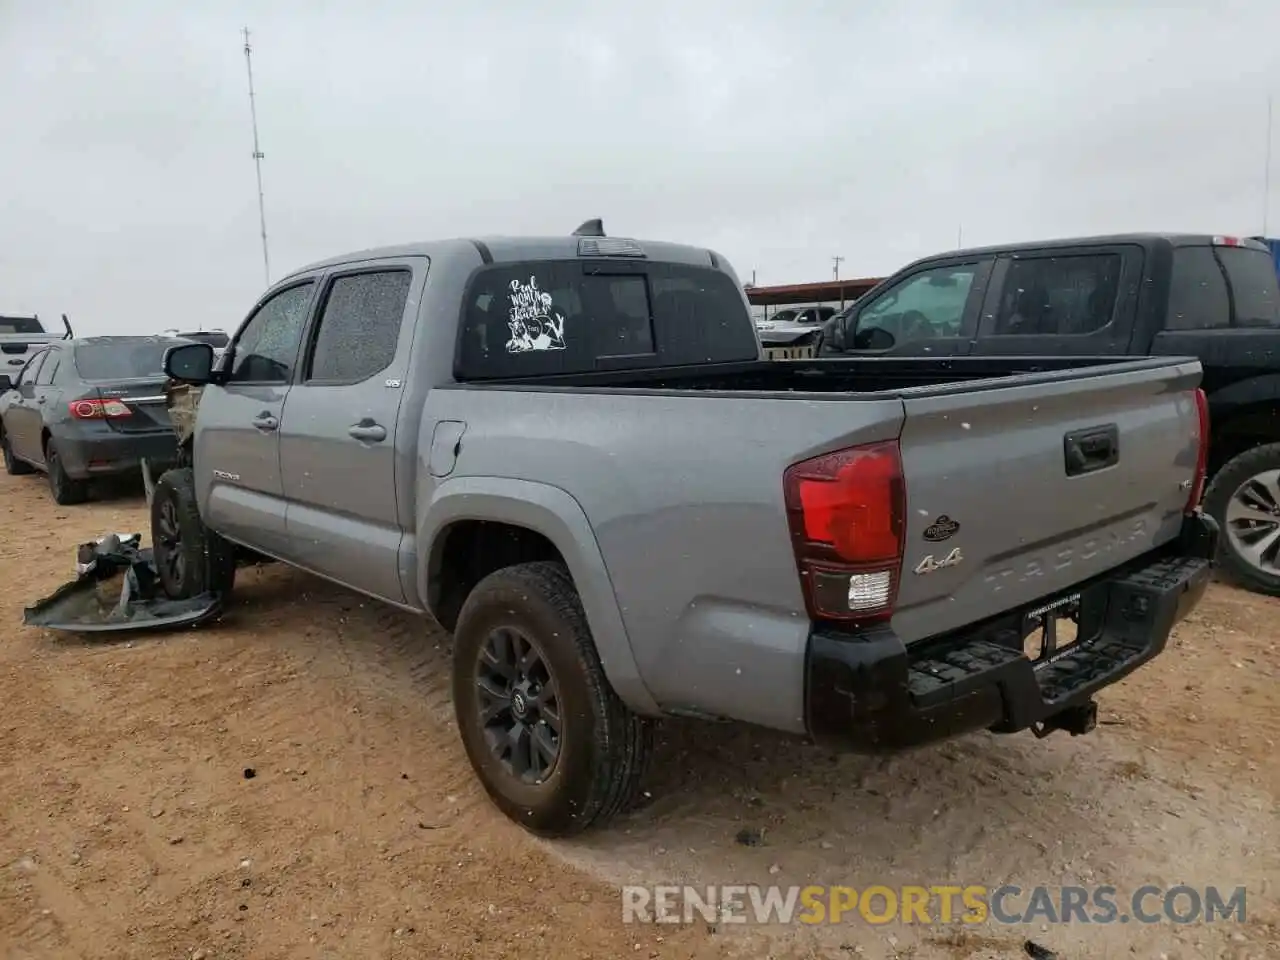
[(876, 338), (6, 382), (833, 334), (190, 363)]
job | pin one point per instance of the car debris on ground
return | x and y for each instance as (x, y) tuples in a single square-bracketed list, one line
[(117, 588)]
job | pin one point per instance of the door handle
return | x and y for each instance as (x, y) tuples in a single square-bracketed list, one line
[(41, 399), (1092, 449), (367, 431), (265, 422)]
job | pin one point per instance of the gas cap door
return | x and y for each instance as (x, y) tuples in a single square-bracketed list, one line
[(446, 444)]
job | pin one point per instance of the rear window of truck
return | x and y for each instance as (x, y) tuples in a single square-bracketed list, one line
[(551, 317), (20, 325)]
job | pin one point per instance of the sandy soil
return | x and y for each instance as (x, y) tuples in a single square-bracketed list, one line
[(129, 828)]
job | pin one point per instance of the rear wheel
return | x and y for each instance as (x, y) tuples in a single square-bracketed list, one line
[(65, 490), (190, 558), (554, 747), (1244, 498), (12, 465)]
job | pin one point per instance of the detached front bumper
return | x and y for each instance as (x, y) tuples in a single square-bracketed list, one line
[(868, 693)]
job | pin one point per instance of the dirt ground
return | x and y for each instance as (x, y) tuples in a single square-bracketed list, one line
[(129, 829)]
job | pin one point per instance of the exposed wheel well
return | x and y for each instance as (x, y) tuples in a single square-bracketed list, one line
[(467, 551), (1244, 429)]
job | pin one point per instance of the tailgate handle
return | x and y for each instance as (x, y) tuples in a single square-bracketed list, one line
[(1094, 448)]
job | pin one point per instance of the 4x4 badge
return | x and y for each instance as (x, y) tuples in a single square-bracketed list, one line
[(929, 565), (944, 528)]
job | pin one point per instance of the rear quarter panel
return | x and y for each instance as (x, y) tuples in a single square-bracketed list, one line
[(684, 495)]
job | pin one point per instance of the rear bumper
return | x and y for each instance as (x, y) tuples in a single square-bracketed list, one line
[(866, 692), (115, 453)]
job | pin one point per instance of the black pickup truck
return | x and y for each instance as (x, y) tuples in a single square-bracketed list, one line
[(1211, 297)]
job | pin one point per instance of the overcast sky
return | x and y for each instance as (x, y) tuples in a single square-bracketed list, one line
[(778, 133)]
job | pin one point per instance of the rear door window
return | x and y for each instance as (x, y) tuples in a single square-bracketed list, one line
[(48, 368), (1058, 295), (359, 326), (575, 316)]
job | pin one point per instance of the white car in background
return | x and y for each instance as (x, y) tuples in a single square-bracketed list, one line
[(792, 334)]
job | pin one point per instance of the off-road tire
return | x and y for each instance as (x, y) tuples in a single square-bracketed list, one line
[(604, 747), (1217, 500), (12, 465), (65, 490), (189, 557)]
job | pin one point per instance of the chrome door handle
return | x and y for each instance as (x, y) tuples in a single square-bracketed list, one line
[(265, 422), (368, 432)]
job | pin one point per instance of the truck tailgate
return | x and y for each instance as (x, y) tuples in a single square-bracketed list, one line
[(1017, 492)]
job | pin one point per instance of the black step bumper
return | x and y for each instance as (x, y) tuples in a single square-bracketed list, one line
[(866, 692)]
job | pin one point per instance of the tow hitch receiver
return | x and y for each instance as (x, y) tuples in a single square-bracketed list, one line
[(1077, 720)]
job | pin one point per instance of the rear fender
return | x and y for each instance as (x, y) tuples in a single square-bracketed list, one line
[(556, 515)]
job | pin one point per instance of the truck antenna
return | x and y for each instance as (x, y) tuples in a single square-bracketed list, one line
[(257, 157)]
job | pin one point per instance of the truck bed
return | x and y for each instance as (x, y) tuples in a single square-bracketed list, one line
[(689, 495), (854, 376)]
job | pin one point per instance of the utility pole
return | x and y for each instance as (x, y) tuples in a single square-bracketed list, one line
[(959, 236), (1266, 173), (835, 275), (257, 157)]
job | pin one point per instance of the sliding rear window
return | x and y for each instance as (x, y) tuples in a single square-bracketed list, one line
[(551, 317)]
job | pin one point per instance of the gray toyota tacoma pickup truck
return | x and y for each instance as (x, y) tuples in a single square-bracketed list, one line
[(569, 453)]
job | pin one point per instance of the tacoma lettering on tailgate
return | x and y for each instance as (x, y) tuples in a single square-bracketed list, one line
[(1037, 565)]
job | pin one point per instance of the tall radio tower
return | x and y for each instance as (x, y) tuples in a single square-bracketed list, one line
[(257, 157)]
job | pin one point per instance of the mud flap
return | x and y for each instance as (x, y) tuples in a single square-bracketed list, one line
[(148, 481), (117, 589)]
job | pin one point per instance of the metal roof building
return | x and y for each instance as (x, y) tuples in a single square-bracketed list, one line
[(827, 291)]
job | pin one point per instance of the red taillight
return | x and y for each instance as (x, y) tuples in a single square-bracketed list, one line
[(1202, 454), (1228, 242), (98, 409), (847, 511)]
